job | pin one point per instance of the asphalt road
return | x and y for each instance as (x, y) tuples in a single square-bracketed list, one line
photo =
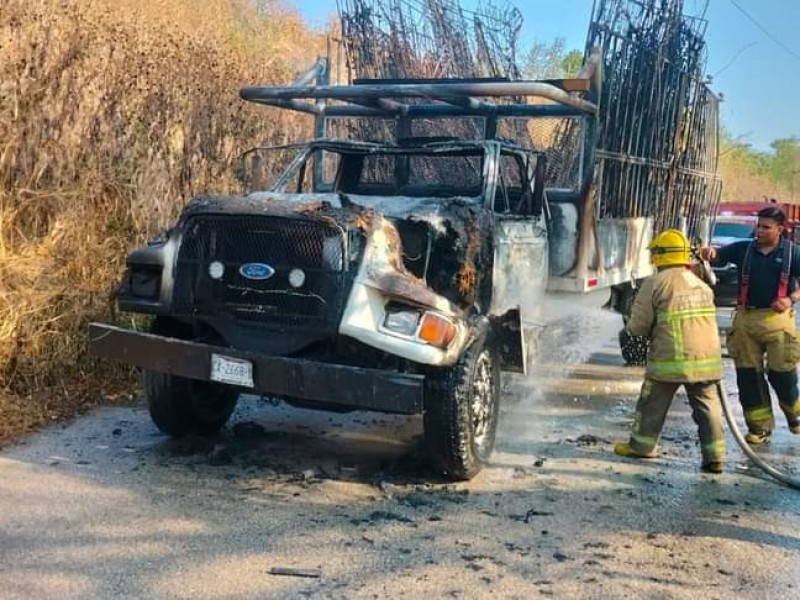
[(107, 507)]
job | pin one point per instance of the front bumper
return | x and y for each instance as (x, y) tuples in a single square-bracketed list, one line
[(319, 382)]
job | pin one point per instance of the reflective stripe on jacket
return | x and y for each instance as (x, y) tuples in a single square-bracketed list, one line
[(675, 309)]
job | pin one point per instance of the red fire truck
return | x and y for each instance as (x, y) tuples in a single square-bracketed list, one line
[(733, 220)]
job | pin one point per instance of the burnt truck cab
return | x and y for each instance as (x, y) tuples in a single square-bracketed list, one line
[(401, 275), (399, 261), (393, 277)]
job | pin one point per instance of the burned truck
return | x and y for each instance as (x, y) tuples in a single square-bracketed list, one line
[(399, 262), (394, 277)]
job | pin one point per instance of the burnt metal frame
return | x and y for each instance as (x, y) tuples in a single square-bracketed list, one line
[(440, 98), (659, 149), (491, 150), (451, 98), (434, 98)]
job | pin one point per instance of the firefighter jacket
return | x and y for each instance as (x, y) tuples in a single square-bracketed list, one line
[(675, 310)]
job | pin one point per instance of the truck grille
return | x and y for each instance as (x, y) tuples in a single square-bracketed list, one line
[(283, 244)]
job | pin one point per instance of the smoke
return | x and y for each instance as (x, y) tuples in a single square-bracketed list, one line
[(577, 373), (576, 326)]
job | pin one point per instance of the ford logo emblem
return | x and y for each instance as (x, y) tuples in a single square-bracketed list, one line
[(256, 271)]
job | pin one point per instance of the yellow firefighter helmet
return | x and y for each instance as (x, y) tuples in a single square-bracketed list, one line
[(670, 247)]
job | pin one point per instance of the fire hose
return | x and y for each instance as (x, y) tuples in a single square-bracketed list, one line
[(629, 344), (737, 435)]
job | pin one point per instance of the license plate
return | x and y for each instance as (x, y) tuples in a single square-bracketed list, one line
[(231, 370)]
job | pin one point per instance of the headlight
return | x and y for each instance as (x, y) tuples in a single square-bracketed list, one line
[(297, 277), (431, 328), (216, 270), (403, 322), (143, 283)]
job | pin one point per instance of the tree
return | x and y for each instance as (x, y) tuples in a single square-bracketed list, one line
[(785, 164), (750, 174), (571, 63), (551, 60)]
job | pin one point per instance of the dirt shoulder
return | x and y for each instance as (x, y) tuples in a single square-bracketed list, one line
[(21, 415)]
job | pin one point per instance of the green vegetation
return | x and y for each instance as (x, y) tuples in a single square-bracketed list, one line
[(750, 174), (551, 60)]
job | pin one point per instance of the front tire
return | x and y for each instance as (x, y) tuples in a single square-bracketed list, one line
[(461, 412), (180, 406)]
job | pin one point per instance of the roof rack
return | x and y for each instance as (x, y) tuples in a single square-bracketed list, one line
[(426, 97)]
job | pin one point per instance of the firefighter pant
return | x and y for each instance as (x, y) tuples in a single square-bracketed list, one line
[(651, 411), (757, 334)]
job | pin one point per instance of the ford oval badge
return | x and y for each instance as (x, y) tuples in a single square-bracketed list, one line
[(256, 271)]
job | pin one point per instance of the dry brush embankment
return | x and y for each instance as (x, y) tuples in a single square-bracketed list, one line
[(112, 114)]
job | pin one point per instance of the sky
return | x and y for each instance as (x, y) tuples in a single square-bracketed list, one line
[(753, 54)]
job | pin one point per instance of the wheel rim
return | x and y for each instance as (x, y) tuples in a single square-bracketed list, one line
[(482, 400)]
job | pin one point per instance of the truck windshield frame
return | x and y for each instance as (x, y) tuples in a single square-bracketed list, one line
[(364, 168)]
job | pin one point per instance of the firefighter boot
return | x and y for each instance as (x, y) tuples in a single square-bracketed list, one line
[(755, 400), (713, 466), (625, 449), (785, 385), (756, 439)]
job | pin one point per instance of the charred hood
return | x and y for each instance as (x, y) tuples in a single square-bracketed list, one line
[(444, 244)]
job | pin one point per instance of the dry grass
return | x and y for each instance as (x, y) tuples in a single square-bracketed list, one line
[(739, 185), (112, 114)]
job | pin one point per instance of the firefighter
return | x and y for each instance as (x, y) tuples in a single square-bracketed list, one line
[(763, 325), (675, 309)]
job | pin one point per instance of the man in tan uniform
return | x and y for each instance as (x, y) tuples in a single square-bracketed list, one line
[(675, 310), (764, 325)]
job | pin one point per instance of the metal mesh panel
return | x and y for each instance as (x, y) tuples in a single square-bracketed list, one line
[(431, 38), (437, 174), (558, 138), (378, 169), (283, 244), (658, 123), (385, 130), (458, 173)]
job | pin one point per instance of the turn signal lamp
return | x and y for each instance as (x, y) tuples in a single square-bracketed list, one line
[(436, 330)]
